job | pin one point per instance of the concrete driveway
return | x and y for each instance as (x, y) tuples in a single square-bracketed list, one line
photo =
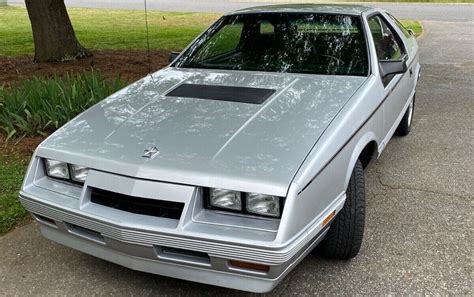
[(420, 194)]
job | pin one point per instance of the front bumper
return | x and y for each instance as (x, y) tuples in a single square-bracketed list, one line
[(198, 246), (147, 252)]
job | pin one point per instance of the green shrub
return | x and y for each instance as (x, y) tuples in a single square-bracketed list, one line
[(38, 106), (12, 171)]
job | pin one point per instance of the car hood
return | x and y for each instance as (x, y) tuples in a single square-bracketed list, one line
[(205, 142)]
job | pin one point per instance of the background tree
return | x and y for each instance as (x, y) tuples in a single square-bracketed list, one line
[(53, 33)]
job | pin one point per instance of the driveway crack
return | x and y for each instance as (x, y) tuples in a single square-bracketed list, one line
[(397, 187)]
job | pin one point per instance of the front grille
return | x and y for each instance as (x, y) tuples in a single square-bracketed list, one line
[(137, 205)]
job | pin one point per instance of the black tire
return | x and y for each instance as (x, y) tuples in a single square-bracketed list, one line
[(405, 125), (344, 237)]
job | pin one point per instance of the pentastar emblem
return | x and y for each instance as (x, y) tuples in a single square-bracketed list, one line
[(151, 152)]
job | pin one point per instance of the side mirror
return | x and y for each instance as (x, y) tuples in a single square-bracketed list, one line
[(388, 67), (412, 33), (173, 56)]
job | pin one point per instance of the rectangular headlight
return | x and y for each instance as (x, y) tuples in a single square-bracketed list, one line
[(264, 205), (57, 169), (79, 173), (227, 199)]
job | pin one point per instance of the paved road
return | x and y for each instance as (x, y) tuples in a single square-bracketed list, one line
[(419, 222), (442, 12)]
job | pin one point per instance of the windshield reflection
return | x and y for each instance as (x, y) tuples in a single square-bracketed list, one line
[(282, 42)]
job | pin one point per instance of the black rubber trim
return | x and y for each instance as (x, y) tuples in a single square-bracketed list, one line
[(222, 93)]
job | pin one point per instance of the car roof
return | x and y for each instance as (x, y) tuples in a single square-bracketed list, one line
[(352, 9)]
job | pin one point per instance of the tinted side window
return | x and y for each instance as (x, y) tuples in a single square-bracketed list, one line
[(225, 41), (387, 45), (266, 28), (401, 27)]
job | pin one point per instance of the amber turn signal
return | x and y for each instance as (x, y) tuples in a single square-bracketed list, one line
[(251, 266), (329, 218)]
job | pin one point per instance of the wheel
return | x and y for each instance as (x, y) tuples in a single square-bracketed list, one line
[(405, 125), (344, 237)]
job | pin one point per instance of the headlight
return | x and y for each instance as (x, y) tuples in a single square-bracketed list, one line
[(244, 203), (227, 199), (65, 171), (57, 169), (265, 205), (79, 173)]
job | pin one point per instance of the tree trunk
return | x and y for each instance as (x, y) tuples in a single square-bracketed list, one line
[(53, 35)]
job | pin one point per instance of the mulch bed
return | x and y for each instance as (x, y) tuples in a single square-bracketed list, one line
[(130, 65), (22, 147)]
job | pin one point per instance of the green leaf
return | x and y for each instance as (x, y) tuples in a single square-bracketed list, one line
[(38, 106)]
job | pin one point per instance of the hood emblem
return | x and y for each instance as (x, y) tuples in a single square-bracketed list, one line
[(151, 152)]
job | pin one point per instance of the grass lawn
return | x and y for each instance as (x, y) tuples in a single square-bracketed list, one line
[(103, 29), (414, 25), (12, 213)]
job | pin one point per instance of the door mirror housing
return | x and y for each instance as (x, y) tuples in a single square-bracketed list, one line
[(412, 33), (173, 56), (392, 67)]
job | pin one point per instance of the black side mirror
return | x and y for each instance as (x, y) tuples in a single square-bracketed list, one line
[(412, 33), (173, 56), (392, 67)]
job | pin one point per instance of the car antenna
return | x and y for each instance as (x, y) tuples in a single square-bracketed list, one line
[(147, 38)]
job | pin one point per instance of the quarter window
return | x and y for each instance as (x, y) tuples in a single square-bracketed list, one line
[(225, 41), (401, 27), (387, 45), (266, 28)]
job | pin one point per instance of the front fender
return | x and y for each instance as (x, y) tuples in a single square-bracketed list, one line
[(363, 141)]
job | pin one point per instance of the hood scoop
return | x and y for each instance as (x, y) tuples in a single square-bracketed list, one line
[(222, 93)]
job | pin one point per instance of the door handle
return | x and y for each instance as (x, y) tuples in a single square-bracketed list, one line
[(411, 72)]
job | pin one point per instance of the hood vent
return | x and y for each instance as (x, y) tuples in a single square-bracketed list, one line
[(222, 93)]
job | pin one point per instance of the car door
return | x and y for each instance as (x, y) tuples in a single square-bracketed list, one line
[(397, 88)]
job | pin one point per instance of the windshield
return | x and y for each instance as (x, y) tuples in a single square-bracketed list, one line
[(282, 42)]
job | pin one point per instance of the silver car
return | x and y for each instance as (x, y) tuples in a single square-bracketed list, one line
[(232, 164)]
